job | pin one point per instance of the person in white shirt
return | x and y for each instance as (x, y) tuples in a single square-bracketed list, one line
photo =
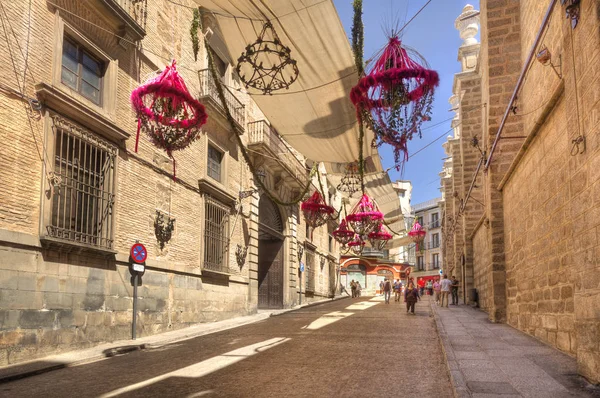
[(446, 285)]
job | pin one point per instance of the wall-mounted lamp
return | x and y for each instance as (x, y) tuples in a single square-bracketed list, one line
[(300, 251), (544, 57), (572, 11)]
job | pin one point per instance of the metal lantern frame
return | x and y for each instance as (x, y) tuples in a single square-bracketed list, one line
[(316, 211), (269, 61)]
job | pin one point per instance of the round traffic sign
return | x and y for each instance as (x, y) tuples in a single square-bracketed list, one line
[(139, 253)]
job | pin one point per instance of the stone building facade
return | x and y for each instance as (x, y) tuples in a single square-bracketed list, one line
[(428, 259), (76, 195), (524, 232)]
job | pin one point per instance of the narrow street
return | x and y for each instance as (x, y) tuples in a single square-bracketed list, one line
[(351, 347)]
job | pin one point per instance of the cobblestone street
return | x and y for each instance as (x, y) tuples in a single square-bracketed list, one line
[(350, 348)]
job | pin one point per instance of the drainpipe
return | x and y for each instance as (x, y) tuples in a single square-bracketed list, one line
[(520, 82)]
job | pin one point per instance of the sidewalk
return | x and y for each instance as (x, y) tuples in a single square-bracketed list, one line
[(79, 357), (486, 359)]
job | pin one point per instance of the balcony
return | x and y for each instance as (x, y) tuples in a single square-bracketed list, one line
[(210, 97), (433, 245), (130, 15), (275, 153)]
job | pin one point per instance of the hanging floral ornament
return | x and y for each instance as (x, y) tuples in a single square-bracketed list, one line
[(167, 112), (365, 216), (395, 96), (417, 233), (266, 64), (316, 212), (343, 234), (350, 182), (357, 245), (379, 237)]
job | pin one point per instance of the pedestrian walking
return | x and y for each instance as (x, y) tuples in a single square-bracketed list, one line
[(358, 289), (411, 296), (397, 290), (381, 287), (455, 286), (353, 288), (436, 291), (446, 284), (387, 290)]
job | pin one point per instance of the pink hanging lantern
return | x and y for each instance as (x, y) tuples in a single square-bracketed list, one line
[(365, 216), (357, 245), (379, 237), (343, 234), (395, 96), (167, 112), (417, 233), (316, 212)]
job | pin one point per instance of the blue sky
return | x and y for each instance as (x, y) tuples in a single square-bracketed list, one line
[(433, 35)]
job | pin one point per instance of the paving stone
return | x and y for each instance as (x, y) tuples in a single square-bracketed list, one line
[(470, 355), (483, 395), (458, 379), (476, 363), (483, 374), (492, 387), (465, 348)]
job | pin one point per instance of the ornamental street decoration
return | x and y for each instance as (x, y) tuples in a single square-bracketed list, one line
[(163, 228), (379, 237), (350, 182), (167, 112), (365, 216), (417, 234), (266, 64), (316, 211), (395, 96), (343, 234)]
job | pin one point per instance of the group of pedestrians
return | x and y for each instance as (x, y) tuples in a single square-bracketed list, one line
[(444, 289), (441, 290), (356, 288)]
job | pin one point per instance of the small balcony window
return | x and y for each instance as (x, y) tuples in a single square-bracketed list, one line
[(215, 159), (81, 71)]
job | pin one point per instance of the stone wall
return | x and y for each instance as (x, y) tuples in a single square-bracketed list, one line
[(54, 299), (482, 267)]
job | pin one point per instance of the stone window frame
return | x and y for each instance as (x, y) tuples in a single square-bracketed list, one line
[(53, 121), (214, 166), (224, 181), (107, 106)]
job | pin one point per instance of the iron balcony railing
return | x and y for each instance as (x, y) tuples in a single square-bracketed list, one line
[(434, 224), (433, 245), (208, 89), (261, 132)]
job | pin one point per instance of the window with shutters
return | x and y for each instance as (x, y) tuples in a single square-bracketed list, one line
[(310, 270), (82, 194), (216, 235), (81, 71), (215, 159)]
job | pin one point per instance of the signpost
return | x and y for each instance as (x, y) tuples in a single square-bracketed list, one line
[(301, 269), (138, 255)]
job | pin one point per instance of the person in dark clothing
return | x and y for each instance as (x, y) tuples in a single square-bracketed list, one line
[(455, 286), (411, 296)]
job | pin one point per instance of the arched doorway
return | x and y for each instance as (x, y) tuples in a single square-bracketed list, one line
[(270, 255)]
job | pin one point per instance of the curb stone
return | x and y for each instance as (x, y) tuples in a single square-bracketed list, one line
[(456, 377)]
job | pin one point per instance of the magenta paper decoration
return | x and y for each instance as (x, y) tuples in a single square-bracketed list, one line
[(417, 233), (395, 96), (356, 245), (167, 112), (316, 211), (343, 234), (365, 216), (379, 237)]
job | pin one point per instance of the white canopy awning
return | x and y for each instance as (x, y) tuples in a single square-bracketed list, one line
[(315, 115)]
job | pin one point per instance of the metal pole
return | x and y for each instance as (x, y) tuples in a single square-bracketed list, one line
[(300, 299), (135, 285)]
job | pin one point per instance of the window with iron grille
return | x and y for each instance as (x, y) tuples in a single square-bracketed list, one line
[(83, 191), (215, 158), (81, 71), (216, 235), (310, 271)]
